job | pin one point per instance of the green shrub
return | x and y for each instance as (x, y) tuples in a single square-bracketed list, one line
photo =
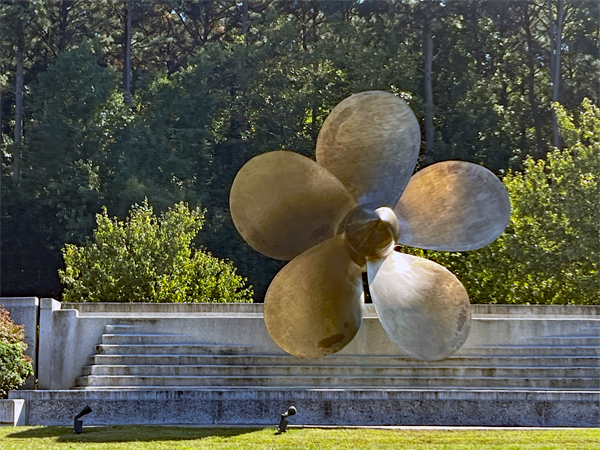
[(149, 259), (15, 367), (549, 253)]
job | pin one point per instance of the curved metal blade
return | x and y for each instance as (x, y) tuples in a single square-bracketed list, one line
[(371, 141), (313, 306), (283, 203), (452, 206), (422, 307)]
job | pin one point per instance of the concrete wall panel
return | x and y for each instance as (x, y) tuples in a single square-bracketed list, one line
[(24, 311)]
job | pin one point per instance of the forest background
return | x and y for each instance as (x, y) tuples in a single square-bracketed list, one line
[(109, 102)]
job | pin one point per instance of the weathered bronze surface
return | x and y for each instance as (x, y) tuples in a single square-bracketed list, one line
[(422, 307), (333, 220), (452, 206), (371, 141), (372, 234), (313, 306), (283, 203)]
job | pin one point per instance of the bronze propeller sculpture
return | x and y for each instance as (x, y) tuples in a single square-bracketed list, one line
[(342, 215)]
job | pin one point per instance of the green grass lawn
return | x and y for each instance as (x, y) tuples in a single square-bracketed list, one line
[(153, 438)]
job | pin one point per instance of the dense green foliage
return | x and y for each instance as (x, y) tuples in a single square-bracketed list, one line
[(149, 259), (216, 82), (15, 367), (550, 251)]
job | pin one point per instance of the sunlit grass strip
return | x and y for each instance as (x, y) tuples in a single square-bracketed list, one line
[(154, 437)]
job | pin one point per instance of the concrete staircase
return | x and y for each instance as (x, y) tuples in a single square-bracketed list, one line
[(206, 364), (133, 356)]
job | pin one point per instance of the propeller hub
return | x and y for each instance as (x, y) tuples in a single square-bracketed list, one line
[(371, 233)]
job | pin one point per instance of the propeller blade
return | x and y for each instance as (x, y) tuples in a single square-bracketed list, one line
[(422, 307), (452, 206), (313, 306), (283, 203), (371, 141)]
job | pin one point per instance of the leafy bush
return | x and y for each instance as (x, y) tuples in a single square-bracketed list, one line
[(15, 367), (549, 253), (149, 259)]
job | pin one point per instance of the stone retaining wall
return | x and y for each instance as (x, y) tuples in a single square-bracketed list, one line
[(70, 332)]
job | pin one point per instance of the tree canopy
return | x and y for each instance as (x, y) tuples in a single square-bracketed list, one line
[(106, 103)]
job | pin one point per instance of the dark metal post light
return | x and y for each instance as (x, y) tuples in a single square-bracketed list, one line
[(283, 423), (77, 422)]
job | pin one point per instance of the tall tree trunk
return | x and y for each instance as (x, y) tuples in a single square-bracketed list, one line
[(245, 20), (63, 21), (555, 66), (477, 53), (18, 105), (428, 59), (531, 84), (127, 56), (523, 124), (503, 94), (313, 123)]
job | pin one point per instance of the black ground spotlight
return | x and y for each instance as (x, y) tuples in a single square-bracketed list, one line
[(283, 423), (78, 423)]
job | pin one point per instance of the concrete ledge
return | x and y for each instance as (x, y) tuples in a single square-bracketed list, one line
[(369, 407), (13, 412), (369, 309), (534, 310), (165, 308)]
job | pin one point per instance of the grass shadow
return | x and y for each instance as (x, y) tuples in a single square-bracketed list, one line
[(118, 433)]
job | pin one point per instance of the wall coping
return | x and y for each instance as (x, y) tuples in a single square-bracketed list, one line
[(19, 302), (257, 308)]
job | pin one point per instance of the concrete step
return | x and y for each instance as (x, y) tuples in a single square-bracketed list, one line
[(350, 371), (240, 349), (584, 332), (126, 334), (175, 348), (115, 328), (340, 381), (146, 338), (531, 350), (568, 340), (258, 360)]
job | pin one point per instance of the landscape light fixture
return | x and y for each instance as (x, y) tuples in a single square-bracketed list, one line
[(77, 422), (283, 423)]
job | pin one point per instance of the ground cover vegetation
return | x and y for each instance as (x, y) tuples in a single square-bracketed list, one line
[(130, 438), (15, 366), (110, 102)]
